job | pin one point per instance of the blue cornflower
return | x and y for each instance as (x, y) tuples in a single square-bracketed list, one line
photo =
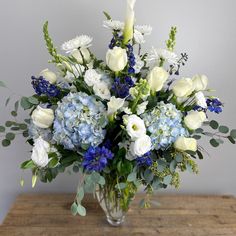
[(144, 160), (214, 105), (96, 158), (121, 87), (42, 86)]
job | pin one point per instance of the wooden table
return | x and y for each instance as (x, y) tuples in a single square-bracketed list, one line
[(49, 215)]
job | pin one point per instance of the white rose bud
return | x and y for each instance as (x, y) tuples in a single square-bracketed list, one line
[(114, 105), (183, 87), (48, 75), (116, 59), (77, 55), (200, 99), (42, 117), (186, 144), (141, 146), (200, 82), (135, 127), (195, 119), (40, 152), (156, 78)]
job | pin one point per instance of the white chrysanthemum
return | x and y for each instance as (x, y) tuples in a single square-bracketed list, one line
[(82, 41), (138, 37), (156, 54), (113, 24), (144, 29)]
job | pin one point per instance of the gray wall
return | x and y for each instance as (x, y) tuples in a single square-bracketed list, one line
[(206, 31)]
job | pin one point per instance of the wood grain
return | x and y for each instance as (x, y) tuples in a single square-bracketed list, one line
[(49, 215)]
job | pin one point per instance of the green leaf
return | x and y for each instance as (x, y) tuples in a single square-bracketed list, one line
[(197, 137), (34, 180), (223, 129), (16, 106), (102, 180), (214, 143), (142, 203), (81, 210), (179, 157), (231, 140), (80, 194), (73, 209), (173, 165), (9, 123), (167, 179), (13, 113), (200, 156), (121, 186), (191, 153), (233, 133), (107, 15), (132, 177), (2, 84), (27, 165), (6, 142), (214, 124), (23, 126), (7, 101), (199, 131), (33, 100), (53, 162), (25, 104), (148, 175), (15, 128), (27, 121), (10, 136), (2, 129), (95, 177)]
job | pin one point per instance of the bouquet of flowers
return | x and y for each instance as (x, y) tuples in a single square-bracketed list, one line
[(122, 123)]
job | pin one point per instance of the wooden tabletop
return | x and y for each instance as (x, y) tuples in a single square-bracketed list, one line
[(49, 215)]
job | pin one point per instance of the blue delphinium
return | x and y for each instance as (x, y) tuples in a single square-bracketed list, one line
[(121, 87), (144, 160), (79, 121), (116, 41), (131, 59), (42, 86), (164, 123), (96, 158), (214, 105)]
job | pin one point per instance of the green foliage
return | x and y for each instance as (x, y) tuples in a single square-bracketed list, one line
[(28, 165), (25, 103), (2, 84), (107, 15), (171, 42), (233, 133), (214, 124), (214, 142), (6, 142), (223, 129)]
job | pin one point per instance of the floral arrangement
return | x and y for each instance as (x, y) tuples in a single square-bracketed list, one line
[(121, 123)]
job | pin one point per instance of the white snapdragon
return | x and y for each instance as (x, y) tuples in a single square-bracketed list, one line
[(141, 108), (48, 75), (186, 144), (200, 82), (91, 77), (135, 127), (141, 146), (195, 119), (114, 105), (200, 99), (42, 117), (183, 87), (102, 90)]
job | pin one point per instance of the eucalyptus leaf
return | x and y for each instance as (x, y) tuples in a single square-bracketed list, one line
[(199, 131), (80, 194), (10, 136), (33, 100), (14, 113), (23, 126), (16, 106), (167, 179), (107, 15), (25, 104), (214, 143), (2, 84), (81, 210), (173, 165), (102, 180), (233, 133), (121, 186), (9, 123), (223, 129), (197, 137), (148, 175), (179, 157), (2, 129), (214, 124), (74, 209), (7, 101), (132, 177), (6, 142), (200, 156), (231, 140)]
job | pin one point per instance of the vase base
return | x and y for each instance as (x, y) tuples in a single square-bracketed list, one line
[(115, 222)]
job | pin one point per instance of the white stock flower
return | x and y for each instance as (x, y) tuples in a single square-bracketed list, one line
[(186, 144), (200, 82), (42, 117), (114, 105), (144, 29), (101, 90), (183, 87), (139, 64), (40, 152), (85, 53), (138, 37), (91, 77), (156, 78), (200, 99), (48, 75), (113, 24), (135, 127), (141, 146), (195, 119), (82, 41), (116, 59), (141, 108)]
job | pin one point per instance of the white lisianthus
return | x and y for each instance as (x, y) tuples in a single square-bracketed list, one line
[(195, 119), (42, 117), (135, 127), (113, 24), (138, 37), (91, 77), (156, 78), (186, 144), (40, 152), (114, 105), (48, 75), (200, 82), (200, 99), (141, 146), (101, 90), (141, 108), (85, 53), (116, 59), (183, 87)]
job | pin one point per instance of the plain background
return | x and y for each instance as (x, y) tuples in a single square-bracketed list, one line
[(206, 31)]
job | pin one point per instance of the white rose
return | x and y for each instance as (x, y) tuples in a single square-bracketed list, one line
[(77, 55), (42, 117), (141, 146), (200, 82), (101, 90), (40, 152), (135, 127), (141, 108), (156, 78), (48, 75), (91, 77), (116, 59), (200, 99), (186, 144), (195, 119), (114, 105), (183, 87)]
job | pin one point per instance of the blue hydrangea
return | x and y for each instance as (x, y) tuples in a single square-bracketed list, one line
[(164, 124), (96, 158), (79, 121)]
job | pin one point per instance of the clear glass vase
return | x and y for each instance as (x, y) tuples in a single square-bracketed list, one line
[(115, 203)]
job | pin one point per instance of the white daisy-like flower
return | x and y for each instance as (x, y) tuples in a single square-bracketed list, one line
[(144, 29), (167, 55), (138, 37), (82, 41), (113, 24)]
